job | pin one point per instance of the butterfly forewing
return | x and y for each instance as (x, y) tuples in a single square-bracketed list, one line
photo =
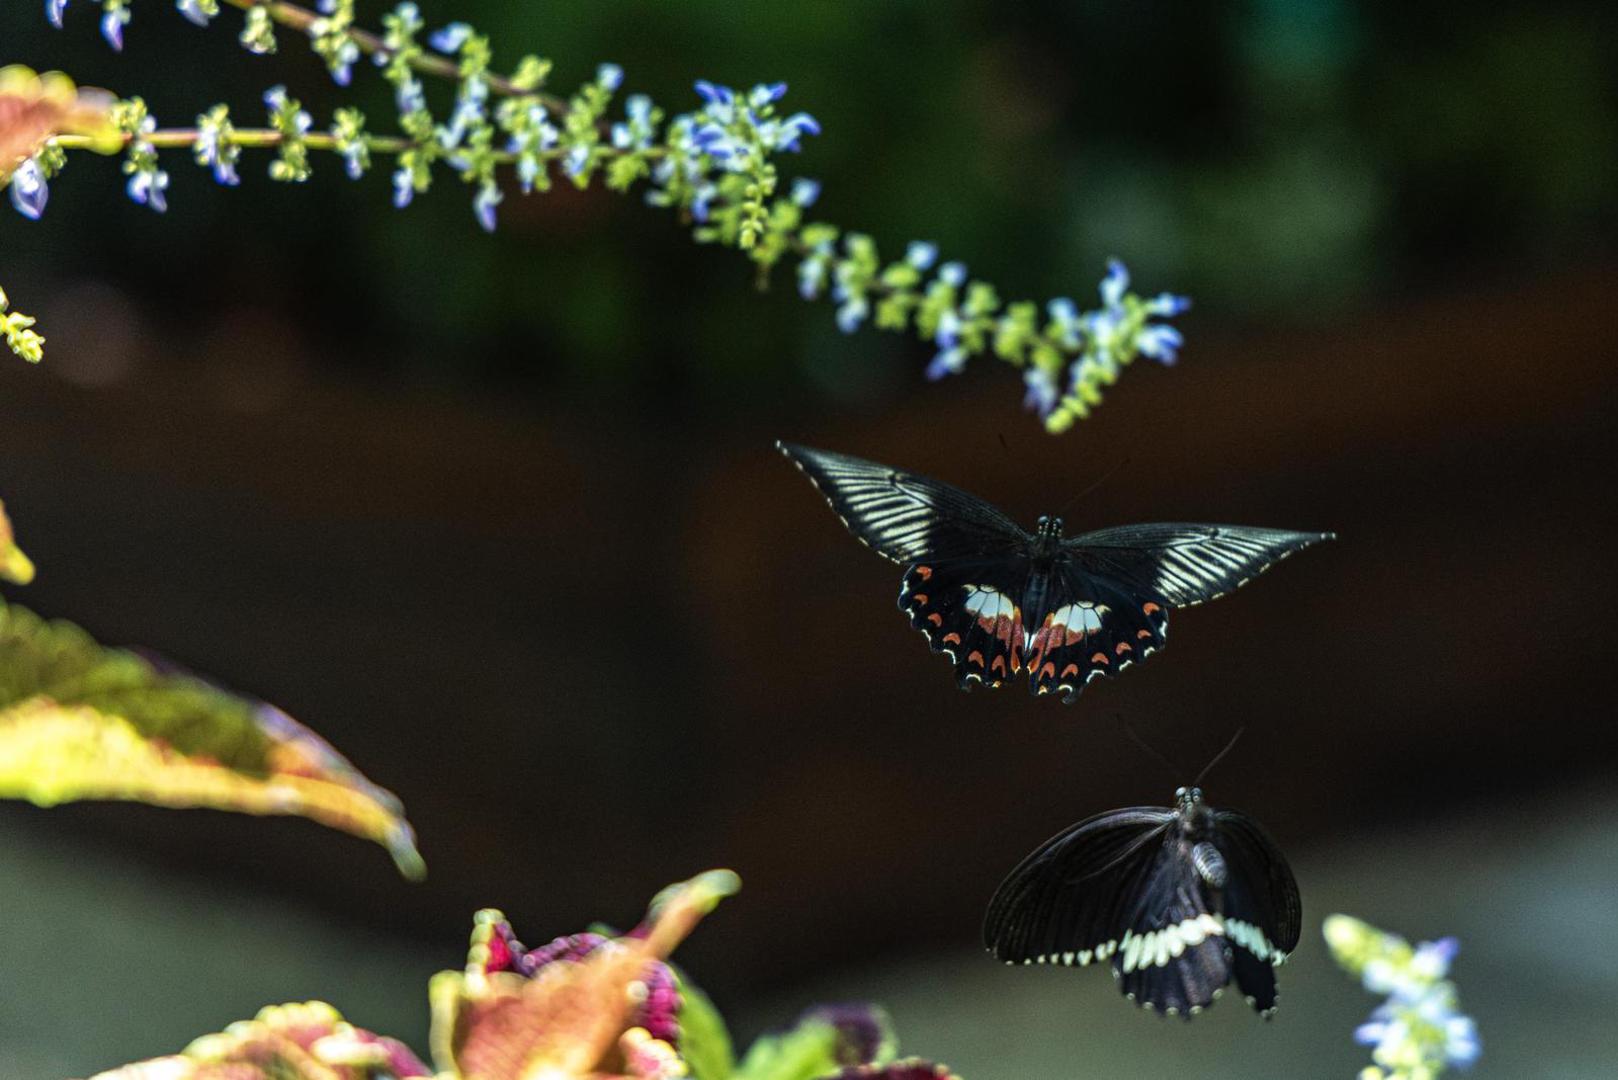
[(906, 517), (1186, 564), (1069, 902)]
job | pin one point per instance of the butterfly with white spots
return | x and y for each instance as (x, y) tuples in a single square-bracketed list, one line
[(998, 599), (1179, 901)]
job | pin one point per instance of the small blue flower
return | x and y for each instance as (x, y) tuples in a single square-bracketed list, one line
[(713, 93), (113, 22), (342, 71), (1041, 395), (851, 313), (404, 187), (766, 94), (29, 192), (953, 274), (702, 197), (1115, 284), (948, 334), (805, 192), (794, 128), (192, 10), (811, 277), (1064, 316), (575, 160), (409, 97), (450, 38), (53, 11), (1160, 342), (609, 76), (1168, 305), (948, 362), (921, 254), (147, 186), (484, 204), (215, 155)]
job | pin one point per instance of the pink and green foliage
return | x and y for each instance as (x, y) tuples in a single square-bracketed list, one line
[(82, 721), (587, 1006)]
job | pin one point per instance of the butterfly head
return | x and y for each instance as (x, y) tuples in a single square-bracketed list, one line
[(1048, 527), (1188, 802)]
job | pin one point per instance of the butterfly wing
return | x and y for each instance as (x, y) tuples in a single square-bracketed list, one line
[(1094, 624), (905, 517), (1262, 910), (1070, 901), (1182, 564), (969, 609), (1173, 957)]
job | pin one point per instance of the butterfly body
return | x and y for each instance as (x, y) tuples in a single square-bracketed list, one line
[(1178, 901), (1000, 600)]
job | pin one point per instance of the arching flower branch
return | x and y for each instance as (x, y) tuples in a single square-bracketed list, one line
[(715, 165)]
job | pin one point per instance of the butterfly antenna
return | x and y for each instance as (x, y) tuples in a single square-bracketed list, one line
[(1218, 757), (1151, 751), (1108, 475)]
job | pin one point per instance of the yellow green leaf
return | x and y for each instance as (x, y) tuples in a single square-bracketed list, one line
[(82, 721), (14, 565), (301, 1041)]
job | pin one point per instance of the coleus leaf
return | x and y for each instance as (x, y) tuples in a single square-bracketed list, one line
[(307, 1041), (14, 565), (82, 721), (823, 1041), (34, 108), (908, 1069), (704, 1039), (573, 1009)]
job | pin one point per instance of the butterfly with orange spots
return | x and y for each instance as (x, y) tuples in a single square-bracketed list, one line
[(999, 600)]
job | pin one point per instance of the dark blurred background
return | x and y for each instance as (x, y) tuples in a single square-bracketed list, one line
[(500, 517)]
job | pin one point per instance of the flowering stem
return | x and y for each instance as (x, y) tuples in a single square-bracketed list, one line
[(302, 19)]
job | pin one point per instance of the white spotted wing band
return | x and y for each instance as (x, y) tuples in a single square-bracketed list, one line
[(1178, 901)]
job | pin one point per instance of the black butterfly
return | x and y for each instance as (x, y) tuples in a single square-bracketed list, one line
[(998, 599), (1179, 901)]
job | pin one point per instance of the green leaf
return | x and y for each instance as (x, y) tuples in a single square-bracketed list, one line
[(704, 1039), (81, 721), (824, 1042)]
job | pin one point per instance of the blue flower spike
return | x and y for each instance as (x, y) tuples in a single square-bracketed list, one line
[(1419, 1031)]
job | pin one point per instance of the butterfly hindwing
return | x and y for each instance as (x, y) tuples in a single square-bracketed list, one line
[(907, 518), (968, 609), (1173, 957), (1263, 912), (1186, 564), (1092, 625)]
